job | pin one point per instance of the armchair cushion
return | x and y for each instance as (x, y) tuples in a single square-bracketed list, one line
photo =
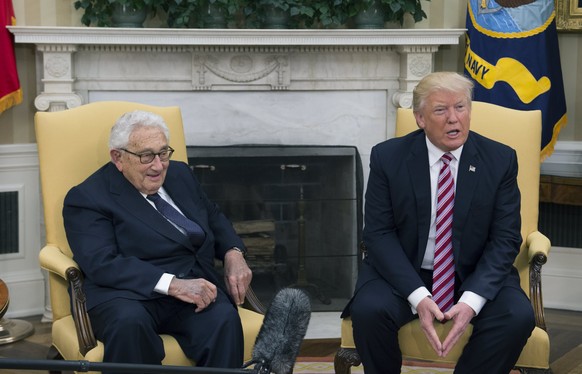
[(535, 354), (65, 339)]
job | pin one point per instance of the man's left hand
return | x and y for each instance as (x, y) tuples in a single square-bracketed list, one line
[(461, 314), (237, 275)]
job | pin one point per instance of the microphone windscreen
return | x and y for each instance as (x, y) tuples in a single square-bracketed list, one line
[(283, 330)]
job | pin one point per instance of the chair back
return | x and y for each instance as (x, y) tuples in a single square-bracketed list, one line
[(72, 144), (521, 130)]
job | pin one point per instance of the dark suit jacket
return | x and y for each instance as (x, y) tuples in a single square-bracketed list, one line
[(486, 216), (123, 245)]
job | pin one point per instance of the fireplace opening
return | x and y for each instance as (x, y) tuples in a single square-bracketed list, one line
[(298, 210)]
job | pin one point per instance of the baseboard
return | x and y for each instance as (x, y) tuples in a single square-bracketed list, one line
[(27, 293), (562, 279)]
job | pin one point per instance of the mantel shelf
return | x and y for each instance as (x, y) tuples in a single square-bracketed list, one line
[(234, 37)]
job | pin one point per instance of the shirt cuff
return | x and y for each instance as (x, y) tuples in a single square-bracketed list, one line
[(475, 301), (164, 283), (416, 297)]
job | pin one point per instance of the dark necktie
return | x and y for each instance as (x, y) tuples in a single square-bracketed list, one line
[(193, 230), (443, 287)]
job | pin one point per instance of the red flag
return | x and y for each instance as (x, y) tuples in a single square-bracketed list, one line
[(10, 92)]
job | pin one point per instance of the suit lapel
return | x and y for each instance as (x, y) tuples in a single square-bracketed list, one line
[(418, 169), (129, 198), (185, 200), (468, 175)]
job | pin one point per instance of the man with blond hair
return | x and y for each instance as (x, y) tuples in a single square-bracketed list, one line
[(442, 230)]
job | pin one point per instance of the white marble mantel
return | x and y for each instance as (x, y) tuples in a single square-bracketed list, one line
[(294, 87), (210, 59)]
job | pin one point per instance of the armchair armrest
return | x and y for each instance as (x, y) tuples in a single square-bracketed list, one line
[(538, 246), (52, 259), (85, 335), (56, 262)]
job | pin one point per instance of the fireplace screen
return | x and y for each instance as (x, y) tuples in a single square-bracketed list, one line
[(298, 210)]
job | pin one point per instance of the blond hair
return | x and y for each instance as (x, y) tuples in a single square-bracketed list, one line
[(444, 80)]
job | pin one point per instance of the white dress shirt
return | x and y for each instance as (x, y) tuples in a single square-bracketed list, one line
[(163, 284), (475, 301)]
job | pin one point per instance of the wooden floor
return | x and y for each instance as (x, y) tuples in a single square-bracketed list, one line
[(564, 327)]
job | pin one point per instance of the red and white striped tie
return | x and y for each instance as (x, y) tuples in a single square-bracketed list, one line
[(443, 287)]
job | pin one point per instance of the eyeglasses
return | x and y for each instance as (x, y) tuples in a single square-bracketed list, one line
[(147, 157)]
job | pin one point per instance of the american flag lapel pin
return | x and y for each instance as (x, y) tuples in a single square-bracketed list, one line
[(472, 168)]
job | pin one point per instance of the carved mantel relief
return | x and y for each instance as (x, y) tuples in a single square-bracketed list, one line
[(239, 70)]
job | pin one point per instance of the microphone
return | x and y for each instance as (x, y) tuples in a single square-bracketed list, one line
[(282, 332)]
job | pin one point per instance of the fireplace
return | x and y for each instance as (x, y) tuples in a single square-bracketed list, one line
[(298, 210)]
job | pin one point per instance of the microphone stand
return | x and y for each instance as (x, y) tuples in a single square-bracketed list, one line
[(261, 366), (86, 366)]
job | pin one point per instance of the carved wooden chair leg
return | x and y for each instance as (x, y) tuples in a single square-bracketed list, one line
[(53, 354), (344, 359)]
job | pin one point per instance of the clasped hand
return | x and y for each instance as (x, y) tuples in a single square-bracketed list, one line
[(461, 315)]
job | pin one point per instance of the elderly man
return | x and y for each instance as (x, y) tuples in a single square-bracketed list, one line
[(442, 230), (145, 236)]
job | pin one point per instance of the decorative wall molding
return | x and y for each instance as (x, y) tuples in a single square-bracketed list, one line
[(21, 271)]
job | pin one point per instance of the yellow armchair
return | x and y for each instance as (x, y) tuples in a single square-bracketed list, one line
[(521, 130), (72, 144)]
